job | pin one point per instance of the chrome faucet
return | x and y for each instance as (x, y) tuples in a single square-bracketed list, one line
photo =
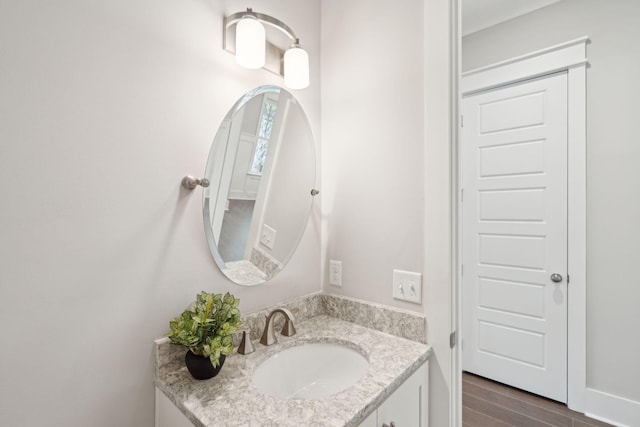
[(269, 335)]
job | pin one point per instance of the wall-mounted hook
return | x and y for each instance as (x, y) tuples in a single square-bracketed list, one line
[(315, 192), (189, 182)]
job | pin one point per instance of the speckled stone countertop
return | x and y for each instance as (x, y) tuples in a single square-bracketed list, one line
[(231, 399)]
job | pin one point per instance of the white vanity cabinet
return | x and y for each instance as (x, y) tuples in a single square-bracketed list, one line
[(168, 414), (407, 406)]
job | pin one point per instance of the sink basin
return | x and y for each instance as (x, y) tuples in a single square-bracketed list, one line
[(310, 371)]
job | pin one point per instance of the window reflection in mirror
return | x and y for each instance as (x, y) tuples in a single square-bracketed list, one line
[(269, 108)]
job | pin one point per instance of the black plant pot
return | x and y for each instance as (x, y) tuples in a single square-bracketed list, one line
[(200, 367)]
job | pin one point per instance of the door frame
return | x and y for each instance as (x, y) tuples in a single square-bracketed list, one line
[(570, 57)]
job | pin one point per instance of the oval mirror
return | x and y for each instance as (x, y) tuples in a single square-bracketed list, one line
[(261, 169)]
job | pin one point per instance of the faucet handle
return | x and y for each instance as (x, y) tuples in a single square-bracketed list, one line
[(288, 329), (245, 345)]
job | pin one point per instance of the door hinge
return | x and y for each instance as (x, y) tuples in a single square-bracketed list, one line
[(452, 339), (568, 279), (461, 121)]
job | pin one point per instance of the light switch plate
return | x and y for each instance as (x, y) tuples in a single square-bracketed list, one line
[(268, 236), (407, 286), (335, 273)]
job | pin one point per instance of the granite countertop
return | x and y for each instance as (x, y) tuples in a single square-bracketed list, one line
[(231, 399)]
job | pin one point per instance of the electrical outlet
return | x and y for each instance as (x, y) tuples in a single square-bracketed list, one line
[(268, 236), (335, 273), (407, 286)]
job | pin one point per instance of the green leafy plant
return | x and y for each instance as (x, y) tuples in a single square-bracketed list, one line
[(207, 327)]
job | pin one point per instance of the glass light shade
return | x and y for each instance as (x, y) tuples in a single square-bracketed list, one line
[(250, 43), (296, 68)]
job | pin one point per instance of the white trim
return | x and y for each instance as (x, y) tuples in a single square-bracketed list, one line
[(577, 239), (531, 55), (570, 56), (455, 396), (556, 58), (607, 408)]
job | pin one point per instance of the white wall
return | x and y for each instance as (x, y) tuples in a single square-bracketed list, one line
[(104, 107), (385, 159), (613, 181), (373, 144)]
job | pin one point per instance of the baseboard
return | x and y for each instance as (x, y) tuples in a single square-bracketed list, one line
[(612, 409)]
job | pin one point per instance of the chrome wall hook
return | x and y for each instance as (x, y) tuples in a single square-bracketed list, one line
[(189, 182)]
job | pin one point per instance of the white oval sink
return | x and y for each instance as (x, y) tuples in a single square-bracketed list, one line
[(310, 371)]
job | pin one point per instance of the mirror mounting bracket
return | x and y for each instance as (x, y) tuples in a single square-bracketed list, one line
[(190, 183)]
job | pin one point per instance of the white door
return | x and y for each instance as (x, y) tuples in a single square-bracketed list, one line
[(514, 256)]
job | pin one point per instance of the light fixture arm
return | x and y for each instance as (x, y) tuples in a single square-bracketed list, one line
[(266, 19)]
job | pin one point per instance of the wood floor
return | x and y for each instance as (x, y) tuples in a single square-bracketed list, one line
[(489, 404)]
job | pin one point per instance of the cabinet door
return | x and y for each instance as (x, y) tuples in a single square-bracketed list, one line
[(407, 406), (167, 414)]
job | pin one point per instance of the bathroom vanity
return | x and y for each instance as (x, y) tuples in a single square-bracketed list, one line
[(345, 362), (393, 388)]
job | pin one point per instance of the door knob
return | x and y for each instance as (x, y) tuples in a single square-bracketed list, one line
[(555, 277)]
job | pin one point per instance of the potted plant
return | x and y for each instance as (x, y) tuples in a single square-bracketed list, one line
[(206, 329)]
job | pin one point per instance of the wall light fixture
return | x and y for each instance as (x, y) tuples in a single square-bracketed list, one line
[(245, 36)]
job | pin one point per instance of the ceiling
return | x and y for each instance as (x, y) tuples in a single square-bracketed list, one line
[(480, 14)]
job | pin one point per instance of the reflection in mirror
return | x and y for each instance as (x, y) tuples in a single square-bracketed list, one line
[(262, 168)]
